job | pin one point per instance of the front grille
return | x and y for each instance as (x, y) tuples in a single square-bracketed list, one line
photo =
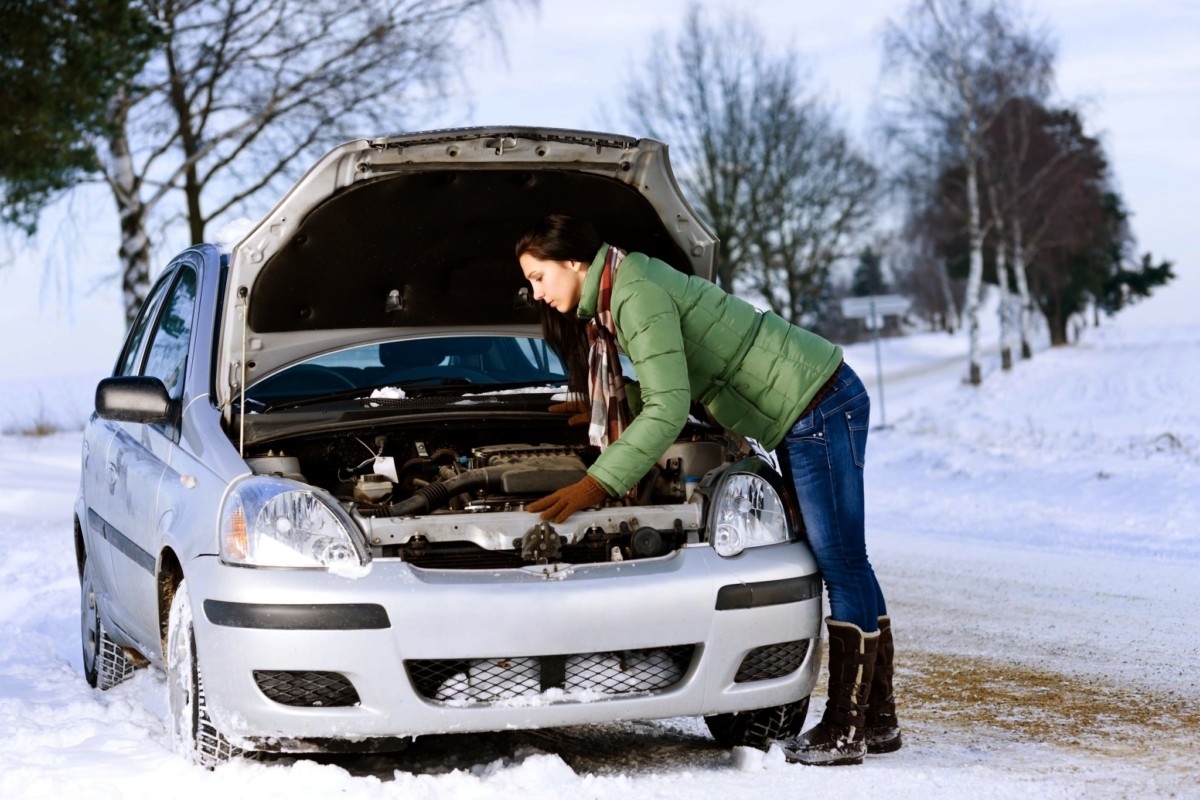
[(772, 661), (580, 677), (457, 555), (309, 689), (468, 555)]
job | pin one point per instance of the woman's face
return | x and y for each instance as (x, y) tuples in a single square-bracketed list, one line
[(557, 283)]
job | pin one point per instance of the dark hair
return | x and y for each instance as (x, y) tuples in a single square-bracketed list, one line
[(559, 237), (567, 336)]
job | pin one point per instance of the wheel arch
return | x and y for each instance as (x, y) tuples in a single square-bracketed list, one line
[(170, 575), (80, 547)]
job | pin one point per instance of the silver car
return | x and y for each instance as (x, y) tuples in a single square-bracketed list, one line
[(303, 487)]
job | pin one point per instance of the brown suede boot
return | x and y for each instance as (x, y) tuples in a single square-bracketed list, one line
[(883, 729), (838, 738)]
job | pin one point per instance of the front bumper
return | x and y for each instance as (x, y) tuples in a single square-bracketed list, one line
[(372, 629)]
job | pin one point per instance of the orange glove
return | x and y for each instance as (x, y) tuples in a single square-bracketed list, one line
[(582, 411), (566, 501)]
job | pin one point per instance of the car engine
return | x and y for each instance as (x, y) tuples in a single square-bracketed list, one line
[(398, 486), (486, 478)]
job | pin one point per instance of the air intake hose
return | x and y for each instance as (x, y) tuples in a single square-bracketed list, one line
[(534, 476)]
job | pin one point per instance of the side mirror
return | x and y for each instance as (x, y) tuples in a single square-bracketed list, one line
[(133, 398)]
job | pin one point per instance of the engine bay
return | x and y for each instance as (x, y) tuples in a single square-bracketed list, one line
[(410, 488)]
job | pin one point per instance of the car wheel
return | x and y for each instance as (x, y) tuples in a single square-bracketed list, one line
[(192, 730), (760, 727), (104, 661)]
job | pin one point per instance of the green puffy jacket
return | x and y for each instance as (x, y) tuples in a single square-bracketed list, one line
[(690, 341)]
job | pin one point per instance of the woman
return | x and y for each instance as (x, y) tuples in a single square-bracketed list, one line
[(755, 374)]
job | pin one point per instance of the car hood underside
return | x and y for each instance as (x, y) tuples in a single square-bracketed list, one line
[(418, 232)]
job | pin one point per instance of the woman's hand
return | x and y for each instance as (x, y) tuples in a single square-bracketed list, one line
[(566, 501), (578, 408)]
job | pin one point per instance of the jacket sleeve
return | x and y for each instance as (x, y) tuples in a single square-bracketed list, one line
[(648, 328)]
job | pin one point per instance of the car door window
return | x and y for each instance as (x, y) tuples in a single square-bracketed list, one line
[(169, 342), (129, 362)]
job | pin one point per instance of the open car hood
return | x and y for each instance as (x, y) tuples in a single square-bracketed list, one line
[(415, 233)]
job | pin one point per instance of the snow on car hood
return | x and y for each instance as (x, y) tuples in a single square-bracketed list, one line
[(415, 233)]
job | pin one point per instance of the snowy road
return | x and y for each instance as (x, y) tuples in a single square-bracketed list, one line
[(1038, 541)]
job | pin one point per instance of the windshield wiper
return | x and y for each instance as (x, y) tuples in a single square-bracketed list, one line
[(492, 388), (417, 387), (328, 397)]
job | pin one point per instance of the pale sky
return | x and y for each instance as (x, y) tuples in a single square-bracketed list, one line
[(1135, 66)]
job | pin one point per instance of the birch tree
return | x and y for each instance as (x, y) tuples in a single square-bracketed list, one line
[(1058, 221), (953, 65), (1030, 174), (242, 95), (1002, 266)]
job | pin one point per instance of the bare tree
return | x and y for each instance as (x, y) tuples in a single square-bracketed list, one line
[(810, 207), (957, 62), (701, 97), (1033, 167), (1059, 223), (761, 159), (244, 93)]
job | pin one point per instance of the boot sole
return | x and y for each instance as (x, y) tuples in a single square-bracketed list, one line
[(890, 746), (816, 758), (837, 762)]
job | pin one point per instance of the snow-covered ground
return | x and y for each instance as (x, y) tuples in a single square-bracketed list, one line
[(1038, 540)]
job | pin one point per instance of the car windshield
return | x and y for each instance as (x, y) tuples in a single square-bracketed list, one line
[(478, 362)]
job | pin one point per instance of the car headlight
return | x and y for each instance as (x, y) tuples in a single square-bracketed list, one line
[(747, 512), (270, 522)]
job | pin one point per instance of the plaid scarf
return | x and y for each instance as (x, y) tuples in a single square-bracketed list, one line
[(606, 383)]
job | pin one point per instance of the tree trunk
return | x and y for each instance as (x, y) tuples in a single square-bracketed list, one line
[(1022, 280), (725, 276), (1056, 321), (190, 145), (126, 188), (950, 315), (1006, 360), (975, 272), (191, 190), (1002, 281)]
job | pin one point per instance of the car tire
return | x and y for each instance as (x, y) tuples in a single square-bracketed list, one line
[(104, 661), (192, 729), (760, 727)]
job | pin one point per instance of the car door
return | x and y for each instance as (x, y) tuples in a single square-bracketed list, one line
[(139, 456), (102, 491)]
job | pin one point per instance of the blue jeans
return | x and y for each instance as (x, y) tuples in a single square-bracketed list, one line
[(824, 454)]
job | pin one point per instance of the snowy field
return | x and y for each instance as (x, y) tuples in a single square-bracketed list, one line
[(1038, 540)]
